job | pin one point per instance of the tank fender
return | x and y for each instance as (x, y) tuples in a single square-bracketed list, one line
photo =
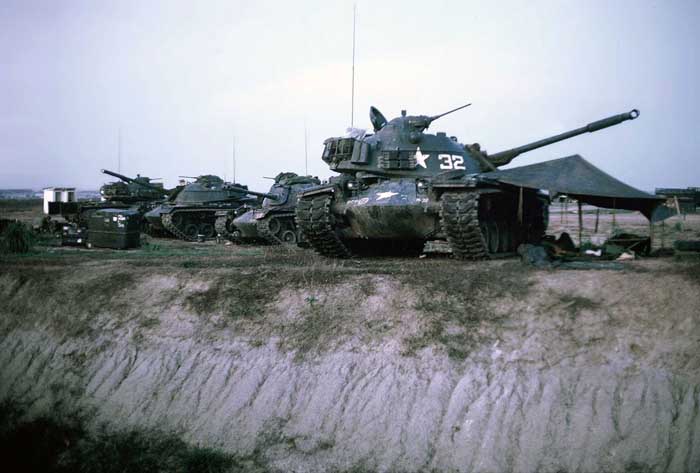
[(330, 189), (259, 214)]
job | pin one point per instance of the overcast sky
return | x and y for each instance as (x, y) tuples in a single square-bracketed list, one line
[(183, 79)]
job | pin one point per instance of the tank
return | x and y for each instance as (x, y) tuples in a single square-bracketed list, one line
[(401, 186), (132, 190), (273, 222), (139, 194), (191, 212)]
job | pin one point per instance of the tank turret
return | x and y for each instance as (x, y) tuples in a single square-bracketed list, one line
[(401, 147), (140, 182)]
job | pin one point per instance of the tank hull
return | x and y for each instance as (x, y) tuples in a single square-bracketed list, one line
[(247, 224), (390, 216), (395, 209)]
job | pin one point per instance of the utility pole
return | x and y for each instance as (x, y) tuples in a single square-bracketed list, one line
[(352, 98)]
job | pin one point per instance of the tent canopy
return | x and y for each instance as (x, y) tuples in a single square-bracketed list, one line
[(576, 177)]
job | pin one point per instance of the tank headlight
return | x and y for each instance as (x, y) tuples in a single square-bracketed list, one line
[(351, 185)]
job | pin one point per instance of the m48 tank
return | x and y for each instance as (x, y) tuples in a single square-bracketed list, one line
[(274, 221), (138, 193), (132, 190), (190, 212), (400, 187)]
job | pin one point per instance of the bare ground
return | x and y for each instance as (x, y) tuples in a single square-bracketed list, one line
[(363, 365)]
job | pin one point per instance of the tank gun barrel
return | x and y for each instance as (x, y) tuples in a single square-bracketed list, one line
[(134, 181), (117, 175), (504, 157), (249, 192)]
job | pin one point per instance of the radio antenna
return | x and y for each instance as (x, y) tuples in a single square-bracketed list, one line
[(306, 149), (352, 93), (233, 158), (119, 150)]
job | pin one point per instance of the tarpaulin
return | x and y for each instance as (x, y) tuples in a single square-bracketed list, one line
[(576, 177)]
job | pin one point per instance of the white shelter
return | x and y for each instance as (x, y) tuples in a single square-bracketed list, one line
[(58, 194)]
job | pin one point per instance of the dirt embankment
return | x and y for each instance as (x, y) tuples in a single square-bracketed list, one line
[(396, 365)]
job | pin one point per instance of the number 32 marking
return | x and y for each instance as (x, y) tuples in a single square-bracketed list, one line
[(451, 161)]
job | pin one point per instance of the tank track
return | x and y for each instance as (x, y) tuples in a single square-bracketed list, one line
[(264, 227), (221, 227), (315, 220), (167, 220), (459, 214)]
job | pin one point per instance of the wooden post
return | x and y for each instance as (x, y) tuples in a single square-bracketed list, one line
[(678, 208), (580, 225), (651, 236), (597, 218), (520, 207), (566, 209), (614, 223), (561, 211)]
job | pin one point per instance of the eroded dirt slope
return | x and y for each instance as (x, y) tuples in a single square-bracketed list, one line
[(390, 365)]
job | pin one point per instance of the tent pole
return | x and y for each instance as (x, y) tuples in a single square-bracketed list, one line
[(580, 225), (566, 209), (520, 207), (597, 217)]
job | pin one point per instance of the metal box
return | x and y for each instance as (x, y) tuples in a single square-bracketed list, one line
[(115, 228)]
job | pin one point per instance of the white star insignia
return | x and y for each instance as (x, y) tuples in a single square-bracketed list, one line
[(421, 158), (385, 195)]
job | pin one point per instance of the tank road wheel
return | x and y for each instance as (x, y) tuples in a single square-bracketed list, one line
[(191, 230), (459, 213), (167, 220), (207, 230), (288, 237), (178, 220), (317, 224), (221, 227), (274, 226)]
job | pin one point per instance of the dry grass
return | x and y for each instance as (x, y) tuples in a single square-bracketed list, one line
[(458, 307), (453, 306)]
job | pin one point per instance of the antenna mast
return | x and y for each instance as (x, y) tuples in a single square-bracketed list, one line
[(119, 150), (233, 157), (352, 98), (306, 150)]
